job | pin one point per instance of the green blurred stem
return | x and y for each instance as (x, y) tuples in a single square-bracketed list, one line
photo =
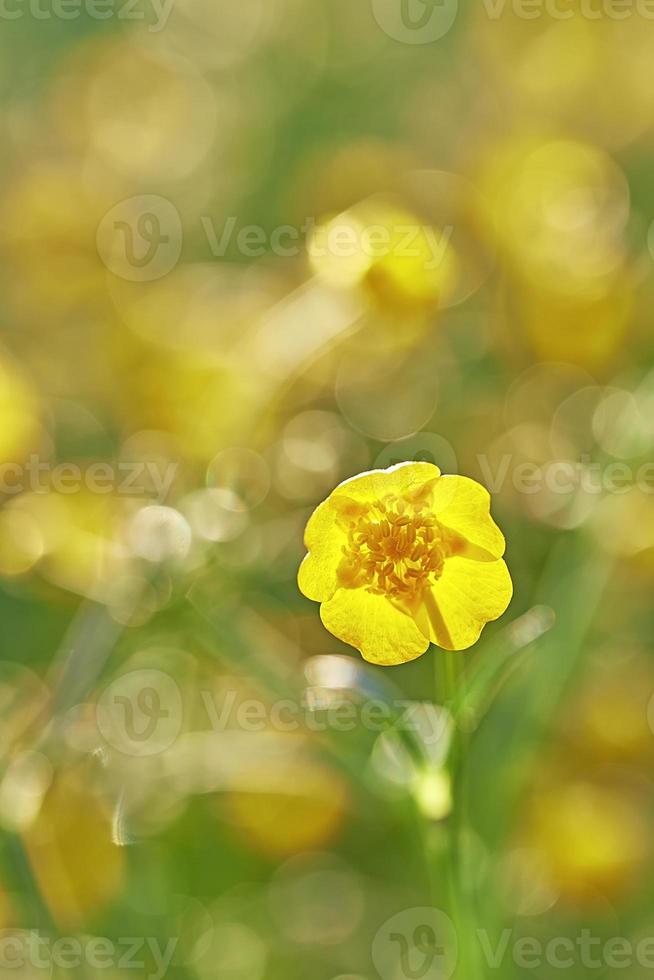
[(449, 680)]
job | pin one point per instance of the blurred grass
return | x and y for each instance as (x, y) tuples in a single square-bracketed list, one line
[(309, 842)]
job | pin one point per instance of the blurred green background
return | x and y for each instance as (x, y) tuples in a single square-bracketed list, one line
[(199, 341)]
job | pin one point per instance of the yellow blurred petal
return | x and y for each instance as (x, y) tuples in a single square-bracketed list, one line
[(383, 633), (463, 505), (74, 860), (403, 479), (468, 594), (18, 413), (305, 813)]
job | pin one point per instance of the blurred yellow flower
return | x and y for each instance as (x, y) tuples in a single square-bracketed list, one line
[(402, 264), (403, 557), (593, 838), (297, 806), (76, 864)]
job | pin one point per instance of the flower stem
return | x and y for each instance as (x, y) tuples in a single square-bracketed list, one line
[(448, 680)]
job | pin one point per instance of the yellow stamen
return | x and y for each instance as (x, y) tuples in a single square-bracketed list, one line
[(394, 548)]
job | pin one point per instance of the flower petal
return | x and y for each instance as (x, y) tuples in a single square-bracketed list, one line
[(324, 538), (405, 478), (463, 505), (383, 633), (468, 594)]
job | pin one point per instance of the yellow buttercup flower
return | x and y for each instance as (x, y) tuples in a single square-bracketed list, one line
[(403, 557)]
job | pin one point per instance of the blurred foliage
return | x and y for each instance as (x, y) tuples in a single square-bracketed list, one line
[(184, 749)]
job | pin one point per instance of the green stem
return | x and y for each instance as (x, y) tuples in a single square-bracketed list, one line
[(449, 680)]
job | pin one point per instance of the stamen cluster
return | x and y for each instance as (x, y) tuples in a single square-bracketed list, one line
[(394, 548)]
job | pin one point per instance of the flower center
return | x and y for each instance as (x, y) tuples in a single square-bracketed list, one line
[(394, 548)]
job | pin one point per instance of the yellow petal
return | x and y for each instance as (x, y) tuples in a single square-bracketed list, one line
[(324, 539), (468, 594), (384, 634), (405, 478), (463, 505)]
